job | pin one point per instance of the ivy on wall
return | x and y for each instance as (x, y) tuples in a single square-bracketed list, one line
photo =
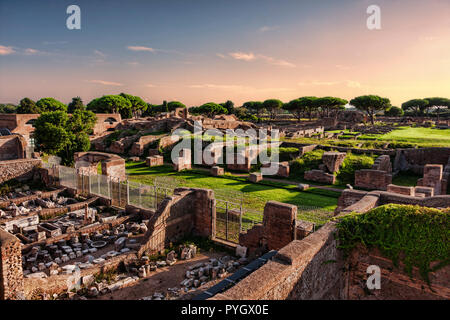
[(413, 235)]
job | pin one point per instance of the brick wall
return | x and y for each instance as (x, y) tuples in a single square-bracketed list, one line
[(395, 283), (11, 275), (304, 269), (416, 159), (187, 211), (12, 147)]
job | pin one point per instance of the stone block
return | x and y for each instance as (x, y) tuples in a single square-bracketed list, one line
[(320, 176), (255, 177), (217, 171), (333, 160), (407, 191), (154, 161)]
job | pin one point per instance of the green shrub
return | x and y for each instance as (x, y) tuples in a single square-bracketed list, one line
[(396, 145), (352, 163), (413, 235), (310, 160), (284, 154)]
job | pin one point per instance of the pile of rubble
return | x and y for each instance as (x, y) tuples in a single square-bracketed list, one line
[(18, 193), (26, 207), (200, 273), (50, 257)]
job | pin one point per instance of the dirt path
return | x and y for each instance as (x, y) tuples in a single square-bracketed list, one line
[(162, 279)]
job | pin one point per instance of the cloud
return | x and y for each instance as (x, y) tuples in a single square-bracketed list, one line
[(342, 67), (353, 84), (348, 83), (141, 48), (30, 51), (106, 83), (133, 63), (99, 53), (218, 86), (252, 57), (242, 56), (268, 28), (221, 55), (54, 42), (150, 85), (277, 62), (6, 50)]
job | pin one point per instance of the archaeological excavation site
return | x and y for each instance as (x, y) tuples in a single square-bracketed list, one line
[(125, 221)]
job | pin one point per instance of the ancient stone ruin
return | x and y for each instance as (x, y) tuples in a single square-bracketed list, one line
[(332, 161)]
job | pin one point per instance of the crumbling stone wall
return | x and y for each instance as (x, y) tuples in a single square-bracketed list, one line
[(21, 169), (11, 275), (433, 178), (12, 147), (187, 211), (112, 165), (311, 268), (276, 231), (361, 201), (416, 159), (395, 283), (376, 178)]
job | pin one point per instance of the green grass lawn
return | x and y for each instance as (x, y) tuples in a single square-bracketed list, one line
[(421, 136), (254, 196)]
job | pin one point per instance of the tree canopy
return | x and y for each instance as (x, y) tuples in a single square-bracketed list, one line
[(371, 104), (394, 112), (75, 104), (273, 106), (137, 105), (229, 105), (328, 104), (417, 106), (27, 105), (59, 134), (50, 104), (8, 108), (172, 105), (296, 107), (209, 109), (111, 104), (256, 107)]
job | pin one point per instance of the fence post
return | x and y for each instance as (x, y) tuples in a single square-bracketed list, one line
[(240, 218), (89, 184), (120, 191), (156, 194), (226, 221), (108, 182), (75, 177), (98, 183), (128, 192), (140, 198)]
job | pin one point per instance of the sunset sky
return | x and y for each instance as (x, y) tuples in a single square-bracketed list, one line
[(197, 51)]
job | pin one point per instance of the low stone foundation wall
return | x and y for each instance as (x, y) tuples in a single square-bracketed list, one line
[(361, 201)]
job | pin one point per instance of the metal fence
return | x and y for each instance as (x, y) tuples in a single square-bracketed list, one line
[(121, 192), (234, 213)]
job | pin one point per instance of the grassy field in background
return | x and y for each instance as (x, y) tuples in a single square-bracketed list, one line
[(421, 136), (254, 196)]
